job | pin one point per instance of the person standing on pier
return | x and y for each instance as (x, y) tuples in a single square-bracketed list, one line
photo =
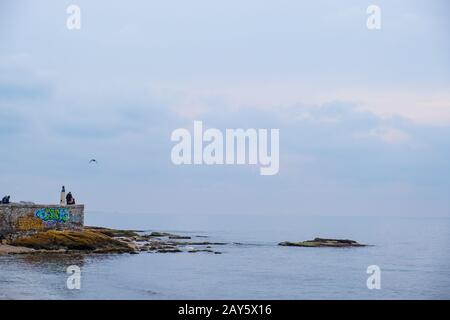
[(62, 200), (70, 200)]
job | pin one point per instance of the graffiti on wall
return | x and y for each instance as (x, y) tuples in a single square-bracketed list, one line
[(29, 223), (53, 215), (76, 218)]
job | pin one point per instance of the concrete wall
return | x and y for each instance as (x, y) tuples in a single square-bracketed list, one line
[(18, 217)]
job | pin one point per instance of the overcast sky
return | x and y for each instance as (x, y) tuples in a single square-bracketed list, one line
[(364, 115)]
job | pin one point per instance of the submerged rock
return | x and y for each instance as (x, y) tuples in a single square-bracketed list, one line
[(200, 250), (179, 237), (172, 250), (321, 242), (205, 243)]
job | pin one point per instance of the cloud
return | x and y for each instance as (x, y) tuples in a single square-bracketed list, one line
[(388, 135), (364, 117), (23, 92), (422, 105), (336, 146)]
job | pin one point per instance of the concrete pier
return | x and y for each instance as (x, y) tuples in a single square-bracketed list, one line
[(20, 217)]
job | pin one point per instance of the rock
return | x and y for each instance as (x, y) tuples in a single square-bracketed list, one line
[(168, 250), (99, 240), (160, 234), (113, 232), (321, 242), (179, 237), (161, 246), (8, 249), (140, 238), (86, 240), (200, 250), (199, 243)]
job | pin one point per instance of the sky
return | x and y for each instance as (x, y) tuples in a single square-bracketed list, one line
[(364, 115)]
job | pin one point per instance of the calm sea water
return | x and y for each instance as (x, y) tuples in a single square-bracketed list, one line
[(413, 254)]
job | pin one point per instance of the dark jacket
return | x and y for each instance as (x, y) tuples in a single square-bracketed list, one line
[(70, 199)]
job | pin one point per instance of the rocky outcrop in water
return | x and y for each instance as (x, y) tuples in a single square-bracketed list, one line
[(101, 240), (321, 242)]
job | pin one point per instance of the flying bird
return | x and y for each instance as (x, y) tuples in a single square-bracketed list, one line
[(93, 161)]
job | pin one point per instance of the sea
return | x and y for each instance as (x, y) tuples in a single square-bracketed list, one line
[(411, 256)]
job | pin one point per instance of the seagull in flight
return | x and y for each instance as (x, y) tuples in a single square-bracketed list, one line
[(93, 161)]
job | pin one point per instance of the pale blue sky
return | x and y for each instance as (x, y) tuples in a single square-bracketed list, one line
[(364, 116)]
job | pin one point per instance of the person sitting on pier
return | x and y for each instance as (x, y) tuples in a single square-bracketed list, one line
[(5, 199), (70, 200)]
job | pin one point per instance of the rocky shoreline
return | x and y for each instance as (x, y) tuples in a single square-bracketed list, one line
[(103, 240), (99, 240)]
